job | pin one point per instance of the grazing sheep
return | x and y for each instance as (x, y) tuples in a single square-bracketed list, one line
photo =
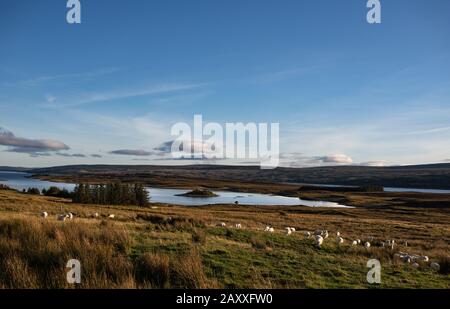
[(222, 224), (70, 216), (63, 217), (339, 240), (319, 240), (424, 258), (238, 226), (44, 214), (111, 216), (308, 234), (358, 241), (367, 244), (288, 231), (269, 229), (435, 266), (292, 229), (354, 243), (392, 244)]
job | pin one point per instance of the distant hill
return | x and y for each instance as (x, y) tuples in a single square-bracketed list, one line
[(429, 176), (14, 169)]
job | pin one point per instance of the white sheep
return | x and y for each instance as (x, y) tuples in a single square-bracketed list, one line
[(63, 217), (338, 234), (70, 216), (424, 258), (367, 244), (223, 224), (358, 241), (292, 229), (111, 216), (288, 231), (95, 215), (435, 266), (392, 244), (308, 234), (354, 243), (339, 240), (271, 230), (319, 240), (44, 214), (238, 226)]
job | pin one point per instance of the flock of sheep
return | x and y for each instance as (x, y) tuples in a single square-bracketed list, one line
[(319, 237), (70, 216)]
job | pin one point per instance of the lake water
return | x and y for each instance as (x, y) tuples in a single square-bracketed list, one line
[(20, 181)]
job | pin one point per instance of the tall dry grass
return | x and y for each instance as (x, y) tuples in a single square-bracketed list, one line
[(34, 253)]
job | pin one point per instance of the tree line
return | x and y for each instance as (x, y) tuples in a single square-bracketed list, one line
[(111, 194)]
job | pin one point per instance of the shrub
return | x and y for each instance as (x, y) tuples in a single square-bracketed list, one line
[(153, 270), (199, 236)]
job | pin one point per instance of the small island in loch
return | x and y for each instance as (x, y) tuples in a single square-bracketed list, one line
[(199, 193)]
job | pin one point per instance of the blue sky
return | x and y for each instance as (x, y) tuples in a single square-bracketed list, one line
[(343, 91)]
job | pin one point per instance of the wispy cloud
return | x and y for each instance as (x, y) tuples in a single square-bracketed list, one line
[(122, 94), (70, 155), (131, 152), (37, 81), (30, 146)]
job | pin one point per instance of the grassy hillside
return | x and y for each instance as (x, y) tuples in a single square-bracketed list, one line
[(172, 246)]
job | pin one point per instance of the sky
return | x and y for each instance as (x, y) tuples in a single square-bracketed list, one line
[(108, 90)]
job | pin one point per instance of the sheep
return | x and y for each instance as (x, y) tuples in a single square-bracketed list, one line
[(62, 217), (70, 216), (292, 229), (319, 240), (308, 234), (392, 244), (111, 216), (358, 241), (222, 224), (269, 229), (435, 266), (288, 231), (367, 244), (339, 240), (238, 225), (424, 258), (323, 233), (44, 214), (338, 234), (354, 243), (95, 215)]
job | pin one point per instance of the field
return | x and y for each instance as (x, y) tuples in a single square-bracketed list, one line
[(168, 246)]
